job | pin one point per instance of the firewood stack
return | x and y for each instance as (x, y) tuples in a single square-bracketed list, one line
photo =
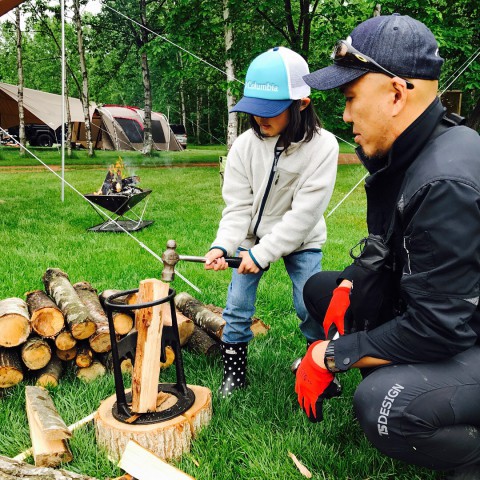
[(65, 326)]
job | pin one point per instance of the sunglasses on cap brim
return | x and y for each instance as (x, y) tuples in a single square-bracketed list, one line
[(345, 55)]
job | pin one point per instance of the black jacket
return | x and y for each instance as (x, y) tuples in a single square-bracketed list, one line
[(431, 180)]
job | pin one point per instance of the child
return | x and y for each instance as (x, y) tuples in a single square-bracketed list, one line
[(278, 181)]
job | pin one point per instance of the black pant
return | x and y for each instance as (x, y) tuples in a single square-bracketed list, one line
[(426, 414)]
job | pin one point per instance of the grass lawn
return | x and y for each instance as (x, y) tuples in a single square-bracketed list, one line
[(250, 434)]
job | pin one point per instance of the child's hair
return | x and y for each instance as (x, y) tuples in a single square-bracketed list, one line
[(302, 124)]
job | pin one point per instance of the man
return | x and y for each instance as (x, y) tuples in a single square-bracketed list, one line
[(407, 308)]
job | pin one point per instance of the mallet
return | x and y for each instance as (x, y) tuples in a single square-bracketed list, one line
[(170, 258)]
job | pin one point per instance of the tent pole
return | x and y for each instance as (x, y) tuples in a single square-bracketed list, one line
[(62, 4)]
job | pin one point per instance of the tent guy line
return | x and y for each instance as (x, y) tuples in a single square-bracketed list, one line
[(142, 245)]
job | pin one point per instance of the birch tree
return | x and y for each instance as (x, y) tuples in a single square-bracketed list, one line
[(21, 115)]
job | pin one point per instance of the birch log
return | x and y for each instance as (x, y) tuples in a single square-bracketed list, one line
[(14, 322), (122, 321), (100, 340), (58, 286), (36, 353), (65, 341), (11, 469), (45, 317), (201, 316), (50, 374), (10, 368)]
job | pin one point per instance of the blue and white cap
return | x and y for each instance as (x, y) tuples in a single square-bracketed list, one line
[(273, 81)]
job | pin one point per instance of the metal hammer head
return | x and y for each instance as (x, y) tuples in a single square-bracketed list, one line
[(170, 258)]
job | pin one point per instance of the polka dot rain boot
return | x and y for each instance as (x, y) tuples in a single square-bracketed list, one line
[(234, 357)]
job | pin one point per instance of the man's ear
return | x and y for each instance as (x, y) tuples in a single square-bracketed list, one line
[(400, 94), (304, 103)]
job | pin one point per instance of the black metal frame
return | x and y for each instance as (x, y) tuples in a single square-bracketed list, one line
[(126, 347)]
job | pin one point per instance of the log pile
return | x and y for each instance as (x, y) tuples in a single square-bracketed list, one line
[(65, 326)]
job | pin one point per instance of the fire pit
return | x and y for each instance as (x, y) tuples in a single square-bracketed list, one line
[(118, 195)]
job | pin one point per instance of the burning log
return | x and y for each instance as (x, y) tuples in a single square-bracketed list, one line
[(50, 374), (47, 430), (46, 318), (14, 322), (11, 371), (36, 353), (201, 316), (100, 340), (65, 341), (58, 286)]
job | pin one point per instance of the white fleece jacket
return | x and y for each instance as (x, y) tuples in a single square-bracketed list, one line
[(301, 187)]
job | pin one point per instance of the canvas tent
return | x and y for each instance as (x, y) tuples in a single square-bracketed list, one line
[(117, 127), (39, 107), (114, 127), (7, 5)]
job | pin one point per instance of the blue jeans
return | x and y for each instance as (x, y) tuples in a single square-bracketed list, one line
[(242, 294)]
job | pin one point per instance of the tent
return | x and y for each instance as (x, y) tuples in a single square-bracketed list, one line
[(7, 5), (117, 127), (39, 107), (114, 127)]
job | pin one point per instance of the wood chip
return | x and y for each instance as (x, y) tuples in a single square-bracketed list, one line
[(301, 467)]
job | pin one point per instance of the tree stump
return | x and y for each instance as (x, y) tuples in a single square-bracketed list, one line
[(168, 440)]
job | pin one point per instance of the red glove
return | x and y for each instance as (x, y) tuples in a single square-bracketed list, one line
[(313, 385), (336, 310)]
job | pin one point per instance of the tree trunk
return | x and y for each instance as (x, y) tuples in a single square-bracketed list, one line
[(183, 109), (11, 469), (83, 67), (10, 368), (50, 374), (100, 340), (58, 286), (232, 128), (201, 316), (199, 114), (45, 317), (21, 113), (36, 353), (14, 322)]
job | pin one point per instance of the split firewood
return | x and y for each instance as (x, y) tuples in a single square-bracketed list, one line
[(92, 372), (50, 374), (145, 465), (45, 317), (100, 340), (65, 341), (301, 467), (122, 321), (58, 286), (201, 316), (12, 469), (66, 355), (84, 356), (201, 342), (36, 353), (149, 323), (11, 371), (258, 327), (14, 322), (48, 432)]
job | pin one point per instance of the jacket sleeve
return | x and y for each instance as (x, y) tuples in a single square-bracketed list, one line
[(308, 206), (439, 283), (238, 196)]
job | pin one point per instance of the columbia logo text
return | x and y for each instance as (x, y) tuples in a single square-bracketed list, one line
[(387, 403), (266, 87)]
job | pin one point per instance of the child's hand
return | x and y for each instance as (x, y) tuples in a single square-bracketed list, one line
[(247, 265), (215, 260)]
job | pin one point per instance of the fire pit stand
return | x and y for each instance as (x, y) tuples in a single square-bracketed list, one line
[(119, 204)]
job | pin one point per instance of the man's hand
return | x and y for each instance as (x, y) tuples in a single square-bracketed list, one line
[(215, 260), (336, 311), (247, 265), (313, 385)]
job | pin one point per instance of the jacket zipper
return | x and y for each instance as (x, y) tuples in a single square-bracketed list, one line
[(269, 186), (408, 255)]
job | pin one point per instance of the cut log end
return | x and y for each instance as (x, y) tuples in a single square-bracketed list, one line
[(15, 330), (82, 331), (47, 322)]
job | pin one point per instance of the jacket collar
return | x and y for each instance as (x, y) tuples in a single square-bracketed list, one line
[(407, 146)]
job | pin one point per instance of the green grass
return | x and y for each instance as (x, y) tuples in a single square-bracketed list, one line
[(250, 434)]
